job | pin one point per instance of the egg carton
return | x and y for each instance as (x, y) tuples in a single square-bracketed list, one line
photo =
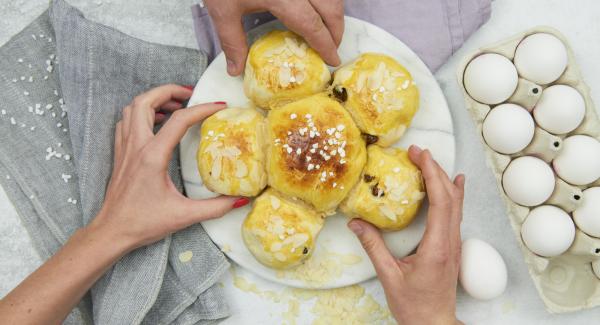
[(566, 282)]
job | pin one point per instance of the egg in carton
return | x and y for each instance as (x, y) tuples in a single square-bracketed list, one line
[(541, 133)]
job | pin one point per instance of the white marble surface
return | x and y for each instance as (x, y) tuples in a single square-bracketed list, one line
[(484, 214), (431, 128)]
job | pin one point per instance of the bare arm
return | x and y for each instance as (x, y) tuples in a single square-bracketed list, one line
[(141, 206)]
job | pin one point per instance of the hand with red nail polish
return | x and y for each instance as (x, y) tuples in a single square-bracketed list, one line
[(421, 288), (320, 23), (141, 204)]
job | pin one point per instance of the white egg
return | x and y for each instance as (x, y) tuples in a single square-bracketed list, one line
[(548, 231), (528, 181), (578, 162), (482, 270), (587, 216), (596, 268), (561, 109), (508, 128), (541, 58), (490, 78)]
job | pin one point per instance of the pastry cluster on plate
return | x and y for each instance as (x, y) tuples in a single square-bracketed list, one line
[(322, 145)]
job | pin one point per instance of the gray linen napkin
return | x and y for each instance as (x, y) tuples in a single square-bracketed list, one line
[(56, 189), (434, 29), (36, 161)]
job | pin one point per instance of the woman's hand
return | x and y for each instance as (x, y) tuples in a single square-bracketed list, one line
[(320, 22), (142, 204), (421, 288)]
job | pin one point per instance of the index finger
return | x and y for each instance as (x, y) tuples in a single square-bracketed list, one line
[(332, 14), (303, 19), (169, 136)]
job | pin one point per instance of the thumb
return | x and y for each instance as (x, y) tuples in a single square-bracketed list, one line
[(371, 240), (200, 210)]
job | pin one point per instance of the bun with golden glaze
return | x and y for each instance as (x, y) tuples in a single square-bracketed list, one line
[(231, 154), (281, 68), (316, 152), (380, 94), (390, 191), (281, 232)]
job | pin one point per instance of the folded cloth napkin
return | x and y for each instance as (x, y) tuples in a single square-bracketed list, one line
[(434, 29), (55, 165)]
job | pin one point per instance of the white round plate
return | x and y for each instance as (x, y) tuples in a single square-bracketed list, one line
[(431, 128)]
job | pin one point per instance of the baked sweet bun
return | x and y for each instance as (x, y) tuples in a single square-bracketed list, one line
[(390, 192), (231, 154), (281, 232), (282, 68), (380, 94), (316, 152)]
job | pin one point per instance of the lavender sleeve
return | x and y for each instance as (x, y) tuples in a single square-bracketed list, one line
[(434, 29)]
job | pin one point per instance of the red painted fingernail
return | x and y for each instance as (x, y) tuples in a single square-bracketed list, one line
[(220, 103), (190, 87), (240, 202)]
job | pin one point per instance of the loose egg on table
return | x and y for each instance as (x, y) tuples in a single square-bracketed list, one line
[(548, 231), (528, 181), (541, 58), (587, 216), (482, 270), (579, 161), (508, 128), (490, 78), (560, 110)]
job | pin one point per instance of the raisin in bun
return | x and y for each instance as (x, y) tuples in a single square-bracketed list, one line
[(231, 154), (316, 152), (281, 232), (390, 191), (380, 94), (282, 68)]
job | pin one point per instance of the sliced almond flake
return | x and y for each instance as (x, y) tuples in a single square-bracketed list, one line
[(387, 212), (417, 196), (300, 77), (343, 75), (276, 246), (216, 167), (279, 256), (260, 233), (284, 76), (241, 170), (231, 152), (275, 203), (405, 84), (360, 82)]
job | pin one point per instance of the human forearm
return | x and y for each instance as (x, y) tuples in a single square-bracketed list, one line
[(51, 292)]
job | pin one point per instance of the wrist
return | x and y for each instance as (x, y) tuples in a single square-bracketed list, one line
[(105, 235)]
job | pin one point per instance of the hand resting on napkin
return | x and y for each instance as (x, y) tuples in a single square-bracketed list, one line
[(141, 206)]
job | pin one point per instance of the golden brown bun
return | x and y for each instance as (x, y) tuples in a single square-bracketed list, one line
[(282, 68), (316, 152), (231, 157), (280, 232), (379, 93), (390, 191)]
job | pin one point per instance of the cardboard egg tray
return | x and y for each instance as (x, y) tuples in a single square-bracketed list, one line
[(565, 283)]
